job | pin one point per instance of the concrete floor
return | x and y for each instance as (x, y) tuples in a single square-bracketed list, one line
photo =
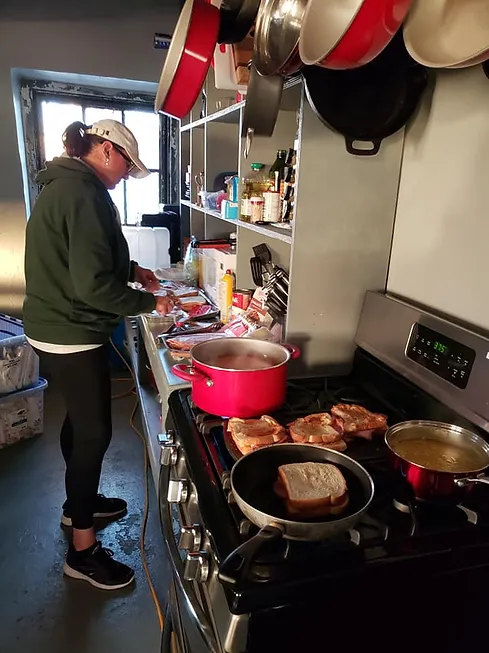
[(42, 611)]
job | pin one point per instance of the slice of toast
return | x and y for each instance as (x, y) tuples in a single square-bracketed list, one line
[(312, 489), (314, 429), (251, 434)]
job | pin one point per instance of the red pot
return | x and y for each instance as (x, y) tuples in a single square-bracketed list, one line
[(188, 59), (230, 392), (343, 35), (434, 484)]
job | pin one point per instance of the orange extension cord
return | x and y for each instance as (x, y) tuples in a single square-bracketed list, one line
[(142, 536)]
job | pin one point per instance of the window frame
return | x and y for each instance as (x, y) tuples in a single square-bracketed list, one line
[(33, 92)]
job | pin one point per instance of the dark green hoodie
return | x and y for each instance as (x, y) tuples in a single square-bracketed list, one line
[(77, 264)]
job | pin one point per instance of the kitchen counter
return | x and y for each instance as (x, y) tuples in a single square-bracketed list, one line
[(143, 350)]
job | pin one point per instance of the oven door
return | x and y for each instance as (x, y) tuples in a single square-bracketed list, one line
[(196, 632)]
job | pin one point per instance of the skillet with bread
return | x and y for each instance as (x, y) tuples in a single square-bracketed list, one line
[(297, 492)]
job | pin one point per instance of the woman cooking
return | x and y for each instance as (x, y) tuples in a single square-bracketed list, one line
[(77, 271)]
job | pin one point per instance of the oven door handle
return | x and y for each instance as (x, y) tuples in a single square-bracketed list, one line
[(190, 597)]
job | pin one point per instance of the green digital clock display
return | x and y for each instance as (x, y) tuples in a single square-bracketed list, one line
[(440, 348)]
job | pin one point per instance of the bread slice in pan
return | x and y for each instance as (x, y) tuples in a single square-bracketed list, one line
[(312, 489)]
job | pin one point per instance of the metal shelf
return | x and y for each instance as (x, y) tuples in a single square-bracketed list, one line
[(229, 115), (270, 231)]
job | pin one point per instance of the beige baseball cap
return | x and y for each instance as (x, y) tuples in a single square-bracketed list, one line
[(119, 134)]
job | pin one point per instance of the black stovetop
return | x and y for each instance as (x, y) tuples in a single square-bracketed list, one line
[(417, 538)]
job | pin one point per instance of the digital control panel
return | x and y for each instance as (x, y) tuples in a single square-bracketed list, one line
[(447, 358)]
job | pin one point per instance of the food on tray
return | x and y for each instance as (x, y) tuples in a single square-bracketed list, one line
[(317, 429), (188, 303), (185, 343), (355, 421), (200, 311), (311, 490), (252, 434)]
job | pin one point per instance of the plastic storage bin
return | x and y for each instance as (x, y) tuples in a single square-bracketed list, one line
[(149, 246), (22, 414), (19, 364)]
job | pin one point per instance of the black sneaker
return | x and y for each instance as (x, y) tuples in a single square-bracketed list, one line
[(104, 507), (97, 566)]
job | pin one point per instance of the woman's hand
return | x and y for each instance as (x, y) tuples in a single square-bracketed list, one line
[(146, 278), (164, 305)]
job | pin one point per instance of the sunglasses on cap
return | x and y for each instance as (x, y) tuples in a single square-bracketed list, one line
[(129, 162)]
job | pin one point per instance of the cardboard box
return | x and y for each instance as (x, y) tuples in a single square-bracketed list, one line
[(213, 266)]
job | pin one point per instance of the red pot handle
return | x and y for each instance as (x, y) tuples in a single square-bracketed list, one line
[(189, 373), (295, 352)]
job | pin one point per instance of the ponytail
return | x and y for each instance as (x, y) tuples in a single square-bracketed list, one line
[(76, 141)]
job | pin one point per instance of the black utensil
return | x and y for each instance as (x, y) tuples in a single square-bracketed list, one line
[(265, 255), (256, 270)]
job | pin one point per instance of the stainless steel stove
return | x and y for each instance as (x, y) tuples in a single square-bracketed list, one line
[(409, 574)]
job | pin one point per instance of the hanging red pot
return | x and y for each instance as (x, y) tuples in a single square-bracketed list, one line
[(343, 34), (188, 58)]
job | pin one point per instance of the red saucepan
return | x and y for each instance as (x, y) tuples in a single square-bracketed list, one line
[(238, 377), (439, 460), (342, 34), (188, 58)]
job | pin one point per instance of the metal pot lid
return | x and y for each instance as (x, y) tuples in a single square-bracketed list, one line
[(277, 34)]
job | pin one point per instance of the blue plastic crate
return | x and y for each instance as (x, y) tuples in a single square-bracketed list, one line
[(10, 326)]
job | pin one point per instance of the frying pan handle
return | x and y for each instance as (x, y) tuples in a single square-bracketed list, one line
[(351, 149), (189, 373), (236, 566), (249, 141), (295, 352)]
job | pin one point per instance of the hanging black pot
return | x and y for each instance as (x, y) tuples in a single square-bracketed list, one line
[(370, 103)]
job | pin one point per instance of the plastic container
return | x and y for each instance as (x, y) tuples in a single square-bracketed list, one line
[(22, 414), (149, 246), (19, 365)]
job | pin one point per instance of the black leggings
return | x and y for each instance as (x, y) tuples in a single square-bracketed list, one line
[(84, 381)]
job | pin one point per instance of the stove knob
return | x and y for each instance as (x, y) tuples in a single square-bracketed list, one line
[(168, 454), (167, 438), (196, 567), (177, 490), (190, 538)]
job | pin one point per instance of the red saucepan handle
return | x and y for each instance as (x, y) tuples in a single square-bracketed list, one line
[(295, 352), (189, 373)]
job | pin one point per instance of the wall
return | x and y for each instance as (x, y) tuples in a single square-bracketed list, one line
[(109, 39), (440, 255)]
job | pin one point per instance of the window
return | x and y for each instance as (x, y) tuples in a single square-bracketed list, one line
[(133, 197), (49, 107)]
